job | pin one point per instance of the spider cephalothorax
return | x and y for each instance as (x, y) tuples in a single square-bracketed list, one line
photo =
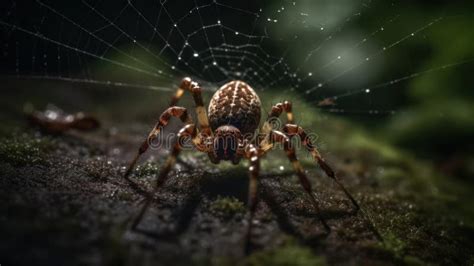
[(227, 141), (228, 134)]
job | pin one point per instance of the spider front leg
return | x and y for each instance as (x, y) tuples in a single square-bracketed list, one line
[(279, 137), (188, 85), (279, 108), (185, 132), (294, 130), (254, 169), (174, 111), (267, 127), (203, 121)]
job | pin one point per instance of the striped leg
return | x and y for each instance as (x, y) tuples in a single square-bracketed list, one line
[(188, 85), (186, 132), (203, 121), (252, 155), (184, 86), (278, 108), (294, 130), (267, 128), (279, 137), (174, 111)]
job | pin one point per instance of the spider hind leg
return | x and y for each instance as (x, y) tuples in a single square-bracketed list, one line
[(279, 137), (186, 132)]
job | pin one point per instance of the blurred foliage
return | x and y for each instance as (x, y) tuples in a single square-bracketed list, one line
[(435, 113), (438, 122)]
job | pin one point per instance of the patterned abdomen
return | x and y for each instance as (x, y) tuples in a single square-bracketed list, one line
[(236, 104)]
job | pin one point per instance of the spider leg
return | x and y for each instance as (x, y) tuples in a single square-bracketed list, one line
[(279, 137), (279, 108), (254, 169), (294, 130), (267, 127), (184, 86), (203, 121), (188, 85), (186, 132), (174, 111)]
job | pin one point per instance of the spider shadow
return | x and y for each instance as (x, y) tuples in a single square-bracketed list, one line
[(208, 185), (182, 217), (284, 218), (234, 183)]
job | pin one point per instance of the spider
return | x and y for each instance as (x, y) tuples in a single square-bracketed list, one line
[(228, 134)]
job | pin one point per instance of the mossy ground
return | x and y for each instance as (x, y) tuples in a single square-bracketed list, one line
[(63, 201)]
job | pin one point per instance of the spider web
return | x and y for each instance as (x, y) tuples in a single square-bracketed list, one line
[(292, 46)]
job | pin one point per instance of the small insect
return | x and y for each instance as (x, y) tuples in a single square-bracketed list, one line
[(54, 120), (228, 133), (327, 102)]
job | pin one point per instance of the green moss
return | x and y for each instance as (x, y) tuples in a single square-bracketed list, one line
[(146, 169), (99, 169), (393, 244), (227, 207), (124, 196), (288, 254), (413, 261), (24, 150)]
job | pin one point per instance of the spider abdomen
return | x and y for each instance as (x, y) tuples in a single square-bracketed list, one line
[(235, 104)]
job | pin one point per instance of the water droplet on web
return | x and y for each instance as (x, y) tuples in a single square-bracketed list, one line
[(282, 168), (339, 57), (367, 90), (214, 63), (236, 33), (322, 28), (310, 74), (320, 85), (195, 54)]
